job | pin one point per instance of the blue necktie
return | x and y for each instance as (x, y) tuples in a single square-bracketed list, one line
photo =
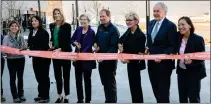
[(154, 33)]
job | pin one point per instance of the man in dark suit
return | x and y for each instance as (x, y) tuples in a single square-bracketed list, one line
[(107, 42), (161, 39)]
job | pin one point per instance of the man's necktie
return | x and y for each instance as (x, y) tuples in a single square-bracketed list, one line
[(154, 33)]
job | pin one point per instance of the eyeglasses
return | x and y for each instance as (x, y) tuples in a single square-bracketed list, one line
[(83, 19), (129, 20)]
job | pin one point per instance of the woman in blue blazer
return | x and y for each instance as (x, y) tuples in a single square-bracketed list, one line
[(189, 72), (83, 38)]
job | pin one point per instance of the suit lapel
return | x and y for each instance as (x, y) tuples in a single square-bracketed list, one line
[(188, 45), (87, 33), (126, 35), (161, 29), (150, 32), (179, 43), (31, 33), (60, 29), (53, 26), (37, 32), (79, 34), (52, 29), (151, 27)]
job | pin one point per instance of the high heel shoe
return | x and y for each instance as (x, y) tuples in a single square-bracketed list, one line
[(59, 100)]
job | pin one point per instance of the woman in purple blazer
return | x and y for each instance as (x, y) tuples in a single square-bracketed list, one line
[(83, 38)]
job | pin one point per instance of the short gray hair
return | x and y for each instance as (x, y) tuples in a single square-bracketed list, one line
[(85, 15), (165, 8), (132, 14)]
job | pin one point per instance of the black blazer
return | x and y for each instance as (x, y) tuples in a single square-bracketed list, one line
[(164, 42), (134, 44), (195, 43), (64, 36), (40, 41)]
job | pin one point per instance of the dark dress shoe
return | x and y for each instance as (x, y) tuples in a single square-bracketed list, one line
[(3, 98), (80, 101), (44, 101), (37, 99), (66, 100), (59, 100), (87, 101), (17, 100), (22, 98)]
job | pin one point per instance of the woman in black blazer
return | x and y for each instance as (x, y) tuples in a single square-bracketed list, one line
[(38, 39), (133, 42), (60, 41), (189, 72)]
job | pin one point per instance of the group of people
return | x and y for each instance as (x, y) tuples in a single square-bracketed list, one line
[(162, 38)]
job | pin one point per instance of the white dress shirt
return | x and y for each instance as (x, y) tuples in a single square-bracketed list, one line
[(160, 23), (156, 29), (34, 32)]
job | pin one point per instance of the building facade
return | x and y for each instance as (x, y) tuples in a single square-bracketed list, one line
[(51, 4)]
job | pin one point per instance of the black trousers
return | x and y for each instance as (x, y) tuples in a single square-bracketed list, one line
[(2, 70), (62, 67), (41, 68), (81, 74), (16, 67), (107, 76), (189, 86), (135, 83), (160, 78)]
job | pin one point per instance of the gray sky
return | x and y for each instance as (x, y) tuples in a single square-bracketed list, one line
[(191, 8), (119, 8)]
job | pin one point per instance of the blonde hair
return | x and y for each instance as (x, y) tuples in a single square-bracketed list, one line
[(61, 13), (132, 14), (85, 15)]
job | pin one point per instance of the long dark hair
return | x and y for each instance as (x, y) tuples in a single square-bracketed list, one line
[(40, 22), (188, 20)]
